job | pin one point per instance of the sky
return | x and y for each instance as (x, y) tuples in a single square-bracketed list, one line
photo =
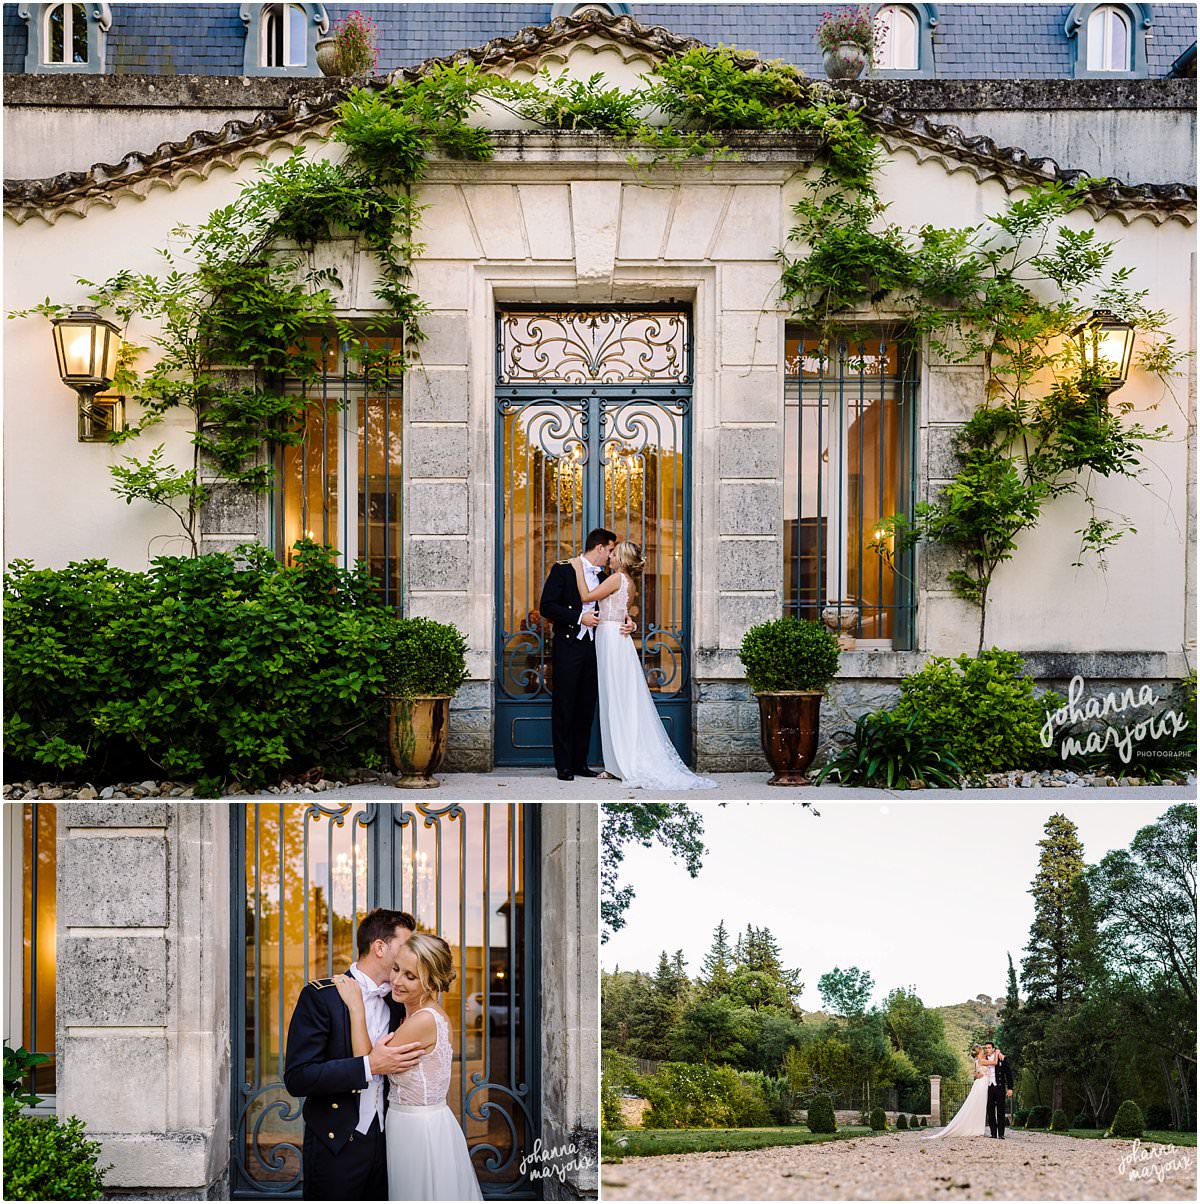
[(931, 895)]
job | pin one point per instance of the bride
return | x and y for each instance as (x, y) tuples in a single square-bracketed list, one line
[(427, 1155), (971, 1119), (636, 746)]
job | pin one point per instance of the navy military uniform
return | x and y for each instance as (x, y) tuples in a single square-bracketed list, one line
[(322, 1068), (997, 1098), (573, 707)]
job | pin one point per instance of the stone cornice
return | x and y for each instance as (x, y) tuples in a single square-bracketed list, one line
[(308, 115)]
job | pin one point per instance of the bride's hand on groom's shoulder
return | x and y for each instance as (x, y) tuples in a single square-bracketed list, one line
[(349, 990)]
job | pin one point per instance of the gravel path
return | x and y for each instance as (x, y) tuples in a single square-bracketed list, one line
[(894, 1166)]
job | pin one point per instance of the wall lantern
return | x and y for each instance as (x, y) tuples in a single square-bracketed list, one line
[(87, 348), (1105, 348)]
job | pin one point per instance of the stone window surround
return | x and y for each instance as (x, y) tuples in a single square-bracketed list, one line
[(1141, 18), (252, 15), (35, 16), (926, 16)]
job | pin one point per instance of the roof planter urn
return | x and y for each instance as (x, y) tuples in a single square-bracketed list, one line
[(845, 61), (327, 56), (424, 663), (789, 663)]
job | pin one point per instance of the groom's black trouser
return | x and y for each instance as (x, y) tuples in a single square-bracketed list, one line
[(574, 704), (997, 1110), (357, 1172)]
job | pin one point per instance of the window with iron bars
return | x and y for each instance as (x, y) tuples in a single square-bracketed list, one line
[(850, 443), (341, 484)]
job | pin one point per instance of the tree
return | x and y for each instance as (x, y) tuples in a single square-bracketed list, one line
[(919, 1032), (846, 992), (713, 1030), (1050, 972), (715, 974), (655, 1010), (675, 826), (760, 979)]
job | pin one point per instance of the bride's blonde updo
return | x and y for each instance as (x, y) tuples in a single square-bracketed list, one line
[(435, 964), (628, 556)]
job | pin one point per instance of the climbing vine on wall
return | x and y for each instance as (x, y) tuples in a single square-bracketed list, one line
[(238, 293)]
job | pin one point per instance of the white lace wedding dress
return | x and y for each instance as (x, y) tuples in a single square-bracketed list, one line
[(427, 1155), (971, 1119), (636, 746)]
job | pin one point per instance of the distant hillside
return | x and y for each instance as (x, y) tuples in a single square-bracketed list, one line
[(964, 1020)]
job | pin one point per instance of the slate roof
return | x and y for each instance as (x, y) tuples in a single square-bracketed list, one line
[(974, 41), (138, 172)]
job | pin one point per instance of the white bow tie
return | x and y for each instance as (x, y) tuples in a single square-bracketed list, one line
[(377, 992)]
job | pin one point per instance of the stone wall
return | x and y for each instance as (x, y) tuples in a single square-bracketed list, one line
[(570, 996), (143, 991)]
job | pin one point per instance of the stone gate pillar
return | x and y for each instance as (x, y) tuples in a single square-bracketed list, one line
[(143, 991), (935, 1099), (570, 997)]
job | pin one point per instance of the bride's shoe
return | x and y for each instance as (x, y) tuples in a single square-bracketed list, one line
[(605, 776)]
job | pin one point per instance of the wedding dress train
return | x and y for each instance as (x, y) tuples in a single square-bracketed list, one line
[(971, 1119), (427, 1155), (636, 746)]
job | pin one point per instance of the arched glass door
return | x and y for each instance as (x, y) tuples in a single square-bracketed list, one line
[(303, 875)]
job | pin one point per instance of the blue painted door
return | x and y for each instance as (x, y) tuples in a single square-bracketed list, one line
[(593, 413)]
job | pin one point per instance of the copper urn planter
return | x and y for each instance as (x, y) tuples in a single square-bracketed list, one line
[(789, 724)]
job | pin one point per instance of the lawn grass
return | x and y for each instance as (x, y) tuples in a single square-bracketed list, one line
[(641, 1143), (1162, 1136)]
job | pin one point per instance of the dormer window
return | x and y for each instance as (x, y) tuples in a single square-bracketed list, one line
[(899, 52), (906, 45), (284, 33), (1109, 40), (66, 34), (65, 37), (281, 39)]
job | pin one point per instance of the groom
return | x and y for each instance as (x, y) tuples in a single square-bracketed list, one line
[(998, 1093), (574, 656), (345, 1157)]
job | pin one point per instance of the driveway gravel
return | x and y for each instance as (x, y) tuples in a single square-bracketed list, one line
[(899, 1166)]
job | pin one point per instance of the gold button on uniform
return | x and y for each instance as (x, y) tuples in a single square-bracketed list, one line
[(330, 1136), (335, 1106)]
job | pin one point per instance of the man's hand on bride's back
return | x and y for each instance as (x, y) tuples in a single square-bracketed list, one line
[(394, 1059)]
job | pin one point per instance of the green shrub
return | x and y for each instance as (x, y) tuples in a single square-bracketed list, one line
[(878, 1120), (1039, 1117), (216, 667), (750, 1107), (1084, 1120), (687, 1095), (1020, 1116), (421, 656), (789, 654), (924, 1122), (820, 1114), (17, 1066), (775, 1094), (1128, 1121), (984, 706), (1059, 1122), (45, 1159), (893, 753), (901, 1121), (1158, 1119)]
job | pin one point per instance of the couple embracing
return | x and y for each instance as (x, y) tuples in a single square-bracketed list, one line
[(370, 1053), (588, 600), (986, 1105)]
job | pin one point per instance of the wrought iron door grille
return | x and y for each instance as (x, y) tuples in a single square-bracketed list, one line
[(340, 484), (305, 875), (850, 461), (594, 429)]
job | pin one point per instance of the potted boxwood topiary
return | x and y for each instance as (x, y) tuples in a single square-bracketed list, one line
[(788, 663), (424, 664)]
